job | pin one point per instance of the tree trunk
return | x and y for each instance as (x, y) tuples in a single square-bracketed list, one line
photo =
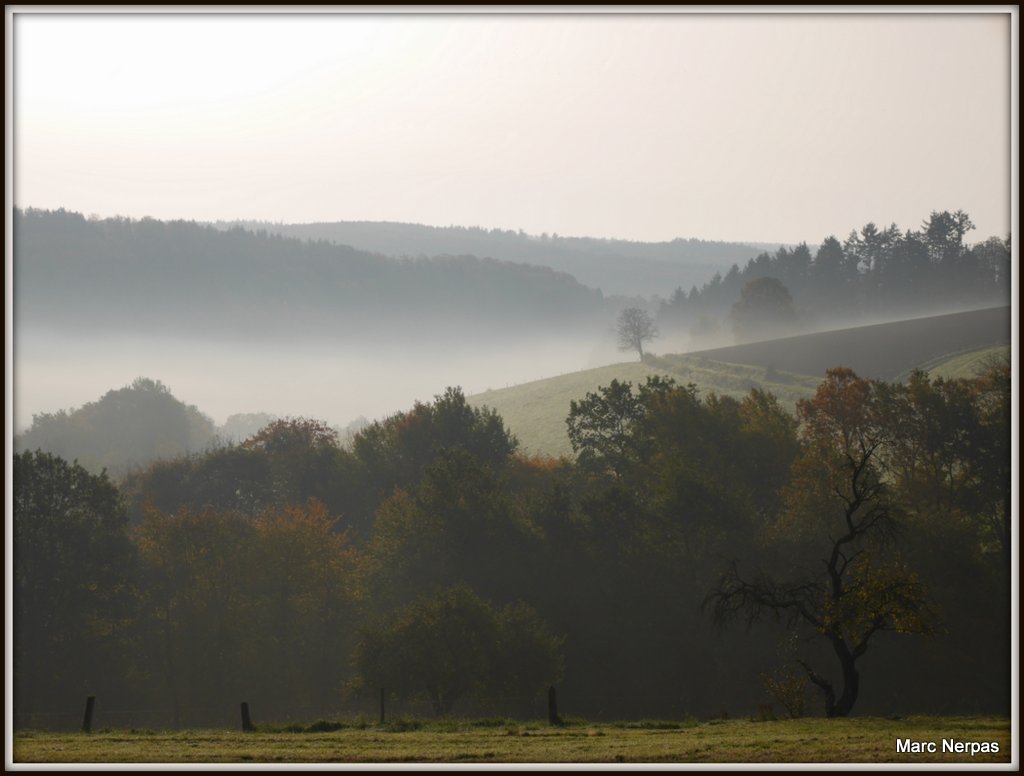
[(171, 674), (851, 680), (553, 718), (825, 686), (436, 702)]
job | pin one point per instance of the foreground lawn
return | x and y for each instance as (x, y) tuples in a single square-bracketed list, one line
[(495, 741)]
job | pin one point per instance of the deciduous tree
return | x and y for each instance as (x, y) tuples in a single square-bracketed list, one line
[(73, 571), (634, 327), (843, 576), (603, 426), (451, 644)]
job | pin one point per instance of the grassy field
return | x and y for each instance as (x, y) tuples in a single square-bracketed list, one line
[(535, 412), (964, 364), (949, 345), (857, 740)]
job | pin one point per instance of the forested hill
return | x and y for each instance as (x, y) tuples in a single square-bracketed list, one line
[(125, 428), (874, 275), (615, 266), (189, 279)]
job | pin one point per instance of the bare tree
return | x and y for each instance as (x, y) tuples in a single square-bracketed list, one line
[(634, 328)]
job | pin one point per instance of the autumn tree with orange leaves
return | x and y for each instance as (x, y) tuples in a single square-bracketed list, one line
[(845, 579)]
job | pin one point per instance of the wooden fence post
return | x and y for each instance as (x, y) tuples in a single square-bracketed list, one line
[(382, 705), (246, 721), (90, 704)]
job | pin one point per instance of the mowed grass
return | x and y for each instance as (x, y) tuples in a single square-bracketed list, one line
[(857, 740), (535, 412), (964, 365)]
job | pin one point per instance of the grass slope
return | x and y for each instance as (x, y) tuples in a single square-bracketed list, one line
[(964, 365), (855, 740), (791, 368), (535, 412)]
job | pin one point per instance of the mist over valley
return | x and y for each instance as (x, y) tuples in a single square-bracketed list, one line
[(287, 420), (280, 322), (253, 321), (583, 386)]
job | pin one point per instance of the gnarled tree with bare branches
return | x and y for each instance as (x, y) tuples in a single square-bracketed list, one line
[(843, 576)]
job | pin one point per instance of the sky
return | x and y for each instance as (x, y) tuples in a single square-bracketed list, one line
[(772, 128)]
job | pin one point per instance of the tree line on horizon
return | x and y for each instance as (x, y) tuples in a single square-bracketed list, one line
[(195, 279), (617, 267), (873, 274), (77, 275), (864, 542)]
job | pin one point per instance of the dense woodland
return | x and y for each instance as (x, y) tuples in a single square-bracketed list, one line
[(77, 275), (187, 280), (863, 542), (874, 274), (698, 555), (617, 267)]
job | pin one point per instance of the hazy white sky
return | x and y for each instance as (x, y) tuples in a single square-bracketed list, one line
[(742, 127)]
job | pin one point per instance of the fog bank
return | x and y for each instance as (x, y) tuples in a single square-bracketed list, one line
[(335, 383)]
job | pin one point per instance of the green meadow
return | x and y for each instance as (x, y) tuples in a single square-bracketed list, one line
[(809, 740), (965, 365), (535, 412)]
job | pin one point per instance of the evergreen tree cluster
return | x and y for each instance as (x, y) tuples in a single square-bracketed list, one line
[(873, 274)]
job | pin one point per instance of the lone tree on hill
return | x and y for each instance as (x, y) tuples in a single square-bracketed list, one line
[(634, 328)]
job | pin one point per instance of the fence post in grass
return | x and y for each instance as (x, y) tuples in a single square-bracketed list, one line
[(553, 718), (246, 720), (382, 705), (90, 704)]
